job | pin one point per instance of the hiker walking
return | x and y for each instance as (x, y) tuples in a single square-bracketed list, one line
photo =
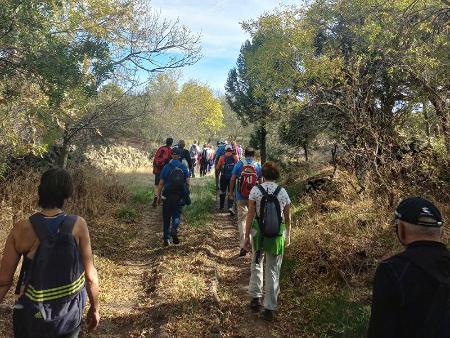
[(161, 158), (411, 290), (225, 167), (57, 266), (185, 156), (220, 151), (204, 158), (173, 190), (268, 224), (247, 173), (194, 151)]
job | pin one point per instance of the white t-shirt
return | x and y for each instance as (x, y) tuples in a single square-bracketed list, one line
[(256, 195)]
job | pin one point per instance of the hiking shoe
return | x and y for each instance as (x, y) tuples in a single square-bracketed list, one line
[(242, 253), (231, 211), (255, 304), (267, 315), (166, 242), (175, 239)]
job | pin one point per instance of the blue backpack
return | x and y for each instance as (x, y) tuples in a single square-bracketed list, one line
[(220, 151), (228, 164), (54, 295)]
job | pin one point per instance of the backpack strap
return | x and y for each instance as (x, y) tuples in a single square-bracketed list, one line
[(68, 224), (262, 189), (277, 191), (40, 228)]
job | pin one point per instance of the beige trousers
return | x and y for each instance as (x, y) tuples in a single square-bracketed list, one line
[(242, 210)]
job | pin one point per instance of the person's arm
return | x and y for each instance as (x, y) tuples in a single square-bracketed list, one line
[(248, 223), (385, 299), (232, 185), (158, 193), (287, 221), (93, 315), (8, 265), (188, 183), (219, 166)]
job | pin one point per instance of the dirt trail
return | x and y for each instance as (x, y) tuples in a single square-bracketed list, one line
[(196, 289)]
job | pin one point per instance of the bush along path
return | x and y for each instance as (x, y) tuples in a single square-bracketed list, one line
[(195, 289)]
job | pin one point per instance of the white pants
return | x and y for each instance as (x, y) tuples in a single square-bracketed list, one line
[(242, 211), (272, 279)]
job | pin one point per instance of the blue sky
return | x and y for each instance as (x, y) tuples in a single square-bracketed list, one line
[(222, 36)]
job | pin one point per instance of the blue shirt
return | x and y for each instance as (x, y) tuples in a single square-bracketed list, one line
[(237, 171), (168, 169)]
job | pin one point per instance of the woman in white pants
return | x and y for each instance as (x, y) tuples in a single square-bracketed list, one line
[(266, 249)]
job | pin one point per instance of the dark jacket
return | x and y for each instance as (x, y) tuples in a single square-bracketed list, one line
[(187, 156), (403, 292)]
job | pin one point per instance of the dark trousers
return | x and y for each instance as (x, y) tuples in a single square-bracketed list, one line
[(171, 216), (224, 186), (20, 328), (203, 167)]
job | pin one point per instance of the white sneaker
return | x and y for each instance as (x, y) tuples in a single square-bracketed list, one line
[(231, 211)]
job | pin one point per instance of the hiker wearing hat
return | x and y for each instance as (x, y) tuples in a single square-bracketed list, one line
[(174, 189), (411, 289), (224, 168)]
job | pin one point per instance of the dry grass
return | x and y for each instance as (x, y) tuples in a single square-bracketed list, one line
[(97, 197), (339, 237)]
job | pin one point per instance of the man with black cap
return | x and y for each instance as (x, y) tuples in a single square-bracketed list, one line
[(174, 186), (411, 289)]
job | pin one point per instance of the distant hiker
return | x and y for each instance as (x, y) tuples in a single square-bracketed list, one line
[(236, 149), (411, 290), (194, 151), (185, 155), (162, 157), (269, 224), (174, 189), (225, 167), (204, 159), (247, 173), (211, 156), (220, 151), (57, 266)]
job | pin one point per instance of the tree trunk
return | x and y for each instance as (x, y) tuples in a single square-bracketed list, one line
[(427, 122), (263, 143), (64, 155), (305, 149)]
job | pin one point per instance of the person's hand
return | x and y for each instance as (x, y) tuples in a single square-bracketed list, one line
[(231, 196), (247, 245), (288, 240), (92, 318)]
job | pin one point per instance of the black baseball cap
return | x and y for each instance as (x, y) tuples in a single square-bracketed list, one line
[(177, 151), (419, 211)]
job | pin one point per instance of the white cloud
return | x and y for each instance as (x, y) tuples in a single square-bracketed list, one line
[(219, 23)]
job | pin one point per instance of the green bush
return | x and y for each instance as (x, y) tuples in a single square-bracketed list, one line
[(127, 214)]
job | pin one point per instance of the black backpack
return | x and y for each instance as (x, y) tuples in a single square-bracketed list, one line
[(270, 218), (177, 180), (54, 295)]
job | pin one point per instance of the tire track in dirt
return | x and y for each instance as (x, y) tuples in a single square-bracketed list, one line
[(124, 278)]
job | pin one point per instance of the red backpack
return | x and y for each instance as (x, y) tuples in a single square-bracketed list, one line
[(247, 180), (162, 157)]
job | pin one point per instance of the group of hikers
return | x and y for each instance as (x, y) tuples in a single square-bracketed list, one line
[(411, 290)]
